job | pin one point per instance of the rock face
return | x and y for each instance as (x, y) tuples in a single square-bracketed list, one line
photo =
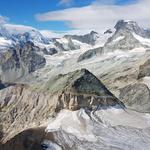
[(19, 61), (123, 38), (1, 85), (23, 106), (30, 139), (90, 53), (132, 26), (108, 31), (144, 70), (50, 51), (87, 38), (136, 96), (81, 89), (65, 46), (74, 42)]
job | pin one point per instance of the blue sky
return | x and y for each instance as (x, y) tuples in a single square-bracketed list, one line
[(34, 12), (23, 11)]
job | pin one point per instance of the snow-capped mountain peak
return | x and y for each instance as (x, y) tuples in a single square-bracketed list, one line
[(19, 33), (131, 26)]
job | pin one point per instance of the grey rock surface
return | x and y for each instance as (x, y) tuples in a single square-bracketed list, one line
[(87, 38), (144, 69), (136, 96), (19, 61), (90, 53)]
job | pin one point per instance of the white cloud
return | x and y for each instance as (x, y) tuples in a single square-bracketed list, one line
[(65, 2), (51, 34), (100, 16), (104, 2), (56, 34), (3, 19)]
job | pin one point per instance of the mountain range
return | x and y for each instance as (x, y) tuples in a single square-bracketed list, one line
[(75, 92)]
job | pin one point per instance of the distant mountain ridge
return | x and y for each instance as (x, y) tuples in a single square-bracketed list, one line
[(127, 36), (11, 35)]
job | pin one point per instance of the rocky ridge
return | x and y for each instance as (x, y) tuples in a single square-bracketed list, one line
[(33, 105)]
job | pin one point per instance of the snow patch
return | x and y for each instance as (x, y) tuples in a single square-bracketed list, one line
[(147, 116), (144, 41), (4, 42), (127, 117), (77, 123), (118, 39), (146, 80)]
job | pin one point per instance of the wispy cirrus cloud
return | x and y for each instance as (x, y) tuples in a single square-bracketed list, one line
[(66, 2), (3, 19), (100, 16)]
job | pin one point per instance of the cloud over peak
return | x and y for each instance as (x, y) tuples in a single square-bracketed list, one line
[(3, 19)]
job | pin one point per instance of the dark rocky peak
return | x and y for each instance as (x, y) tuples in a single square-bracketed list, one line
[(109, 31), (89, 38), (28, 44), (122, 24), (33, 35), (124, 37), (84, 81), (26, 47), (93, 33), (80, 89), (131, 26)]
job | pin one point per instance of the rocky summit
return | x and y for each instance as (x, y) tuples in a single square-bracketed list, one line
[(73, 91)]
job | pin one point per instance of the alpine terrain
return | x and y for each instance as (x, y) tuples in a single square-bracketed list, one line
[(75, 92)]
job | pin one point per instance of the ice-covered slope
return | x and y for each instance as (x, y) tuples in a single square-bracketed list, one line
[(4, 43), (20, 33), (143, 40), (110, 128)]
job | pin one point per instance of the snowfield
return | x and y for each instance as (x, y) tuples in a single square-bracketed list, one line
[(4, 43), (112, 128), (144, 41)]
